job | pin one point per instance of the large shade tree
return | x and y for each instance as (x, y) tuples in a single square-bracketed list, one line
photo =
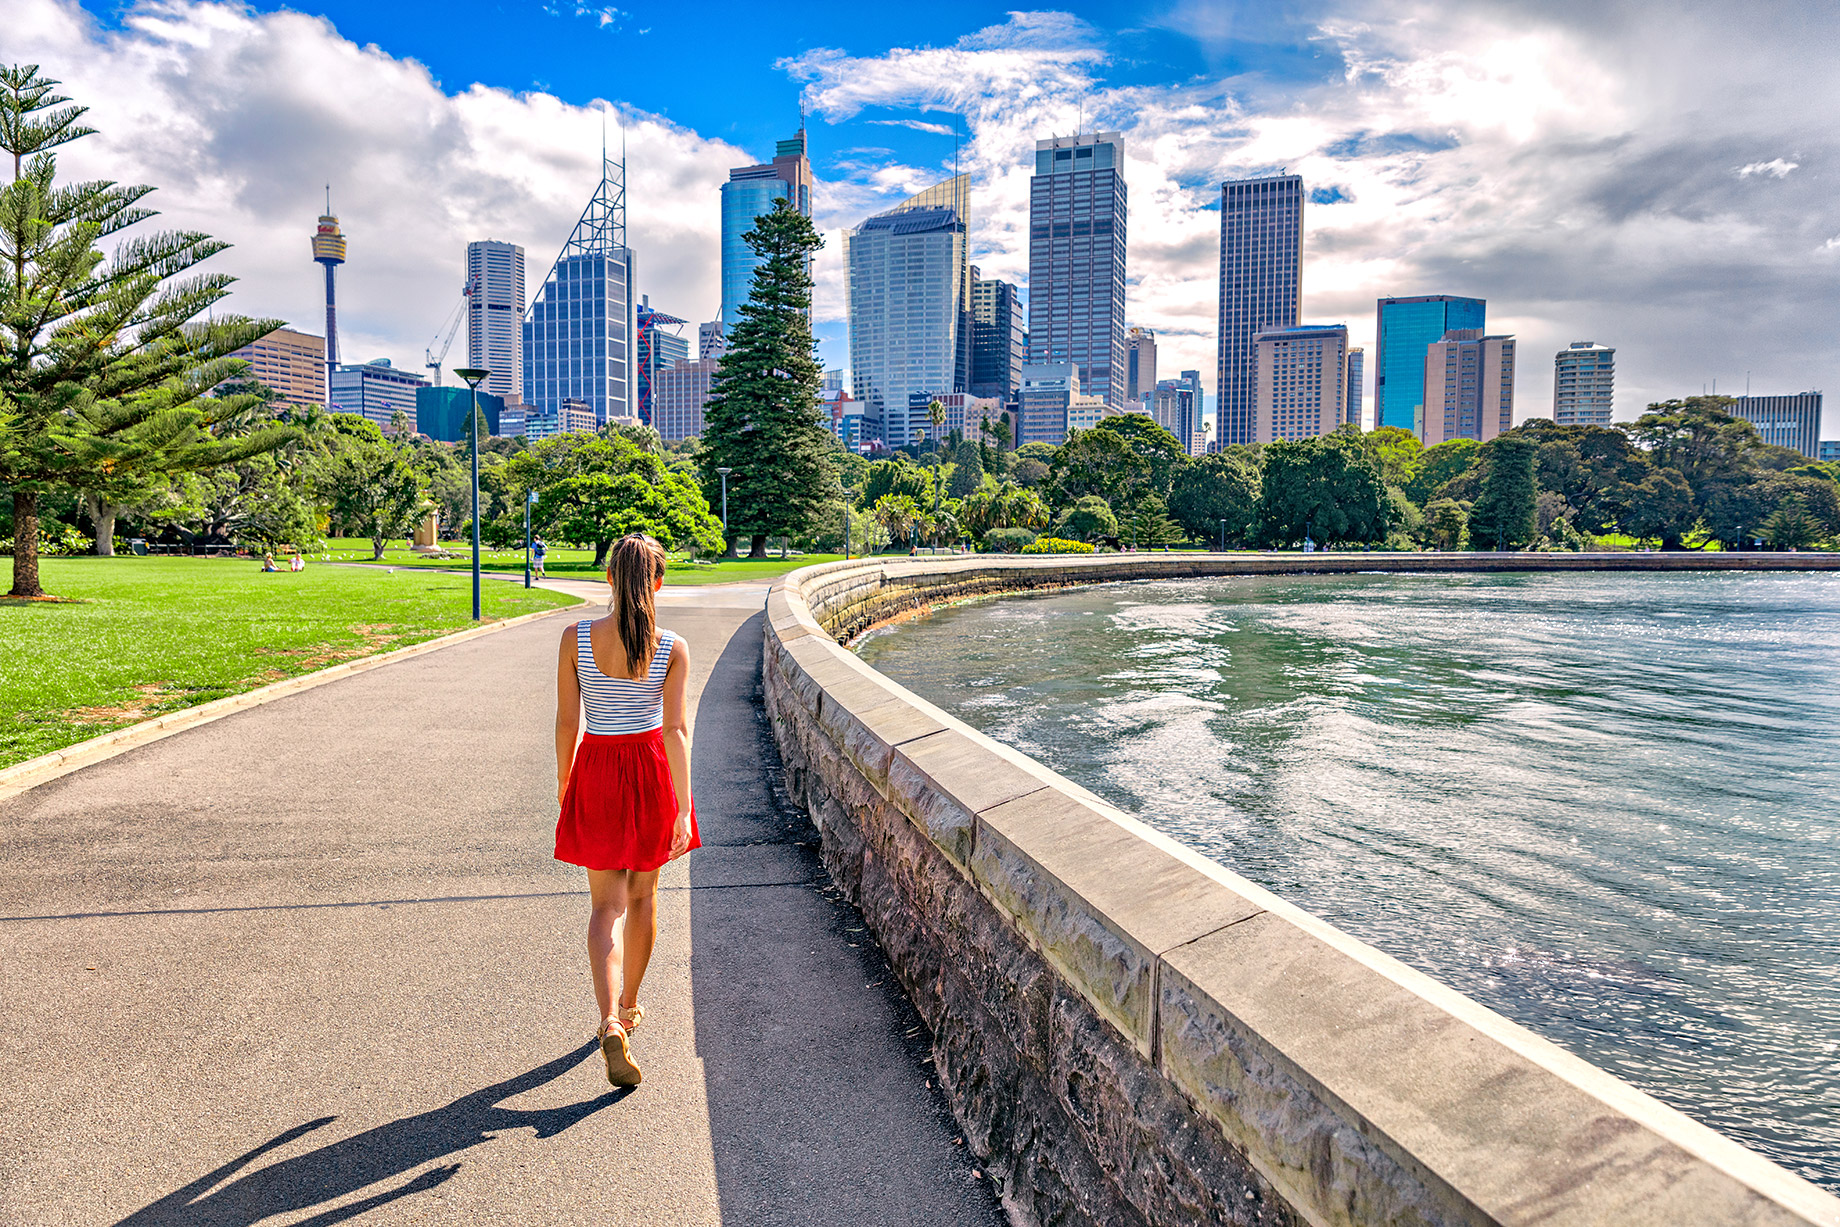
[(763, 422), (1325, 488), (104, 359)]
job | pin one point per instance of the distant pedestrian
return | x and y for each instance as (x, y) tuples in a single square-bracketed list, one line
[(537, 552), (625, 789)]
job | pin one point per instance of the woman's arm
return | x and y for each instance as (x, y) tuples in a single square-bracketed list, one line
[(677, 742), (568, 711)]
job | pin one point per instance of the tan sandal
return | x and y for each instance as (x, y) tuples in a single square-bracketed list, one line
[(622, 1070), (630, 1019)]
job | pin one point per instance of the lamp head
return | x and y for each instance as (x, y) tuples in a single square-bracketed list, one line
[(473, 375), (725, 470)]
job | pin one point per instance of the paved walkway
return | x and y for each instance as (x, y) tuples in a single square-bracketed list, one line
[(313, 963)]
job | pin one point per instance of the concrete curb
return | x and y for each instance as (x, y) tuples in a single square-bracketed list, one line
[(47, 767)]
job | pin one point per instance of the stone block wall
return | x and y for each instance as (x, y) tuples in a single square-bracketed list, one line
[(1131, 1034)]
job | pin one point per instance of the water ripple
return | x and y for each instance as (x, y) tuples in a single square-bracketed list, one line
[(1601, 804)]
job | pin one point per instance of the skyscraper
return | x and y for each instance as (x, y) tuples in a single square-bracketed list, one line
[(578, 331), (750, 192), (1140, 364), (375, 390), (1584, 384), (1786, 421), (1302, 389), (329, 252), (1077, 260), (1357, 377), (1468, 386), (495, 315), (1404, 330), (659, 349), (1261, 286), (906, 308), (999, 343)]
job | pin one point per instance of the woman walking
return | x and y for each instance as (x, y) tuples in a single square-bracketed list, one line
[(625, 790)]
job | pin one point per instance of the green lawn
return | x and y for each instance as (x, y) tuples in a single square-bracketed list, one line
[(152, 635), (563, 561)]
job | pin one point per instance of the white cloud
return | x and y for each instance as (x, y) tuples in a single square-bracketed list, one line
[(1778, 168), (240, 118), (918, 125)]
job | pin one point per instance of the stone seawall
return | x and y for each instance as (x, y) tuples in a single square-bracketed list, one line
[(1131, 1034)]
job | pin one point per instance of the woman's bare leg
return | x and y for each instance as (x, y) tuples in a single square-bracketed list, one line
[(607, 895), (641, 932)]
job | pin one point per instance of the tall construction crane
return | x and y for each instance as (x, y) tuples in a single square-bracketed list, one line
[(450, 328)]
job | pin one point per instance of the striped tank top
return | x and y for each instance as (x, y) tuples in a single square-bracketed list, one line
[(617, 705)]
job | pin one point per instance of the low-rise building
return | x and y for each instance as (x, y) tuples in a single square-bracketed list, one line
[(441, 413)]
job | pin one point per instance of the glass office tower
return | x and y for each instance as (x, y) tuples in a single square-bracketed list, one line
[(907, 312), (660, 347), (578, 330), (749, 193), (1077, 260), (1261, 287), (1405, 330), (999, 343)]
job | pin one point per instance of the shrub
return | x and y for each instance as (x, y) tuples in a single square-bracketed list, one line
[(1056, 545), (66, 542), (1008, 540)]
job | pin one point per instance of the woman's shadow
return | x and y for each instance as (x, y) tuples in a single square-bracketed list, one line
[(364, 1159)]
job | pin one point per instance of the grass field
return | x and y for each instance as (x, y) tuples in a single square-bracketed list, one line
[(151, 635), (562, 561)]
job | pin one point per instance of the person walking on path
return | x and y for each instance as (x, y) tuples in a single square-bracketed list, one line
[(537, 551), (624, 787)]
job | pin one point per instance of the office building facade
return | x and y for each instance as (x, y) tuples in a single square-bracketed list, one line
[(1786, 421), (906, 313), (749, 193), (1405, 328), (1077, 207), (1139, 364), (290, 363), (679, 393), (1302, 388), (1052, 404), (570, 417), (1830, 451), (1469, 387), (375, 390), (578, 330), (1261, 287), (1584, 384), (999, 340), (441, 413), (1357, 381), (495, 315)]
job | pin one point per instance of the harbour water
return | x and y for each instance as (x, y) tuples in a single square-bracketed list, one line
[(1604, 805)]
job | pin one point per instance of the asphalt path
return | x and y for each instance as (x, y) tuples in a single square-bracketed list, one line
[(313, 963)]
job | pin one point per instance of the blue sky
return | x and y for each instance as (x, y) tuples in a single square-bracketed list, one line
[(1656, 176)]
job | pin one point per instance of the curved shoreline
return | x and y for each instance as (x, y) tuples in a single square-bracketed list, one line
[(1132, 1033)]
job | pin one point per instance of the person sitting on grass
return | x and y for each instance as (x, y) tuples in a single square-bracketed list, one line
[(297, 563), (268, 561)]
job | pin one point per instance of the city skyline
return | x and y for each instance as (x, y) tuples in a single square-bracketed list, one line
[(1438, 162)]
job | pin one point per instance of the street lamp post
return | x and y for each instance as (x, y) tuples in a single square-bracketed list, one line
[(474, 376), (530, 500), (728, 543), (1223, 534)]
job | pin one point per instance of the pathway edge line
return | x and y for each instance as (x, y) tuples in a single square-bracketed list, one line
[(59, 763)]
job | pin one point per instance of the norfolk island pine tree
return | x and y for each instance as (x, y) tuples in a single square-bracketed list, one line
[(763, 422), (103, 362)]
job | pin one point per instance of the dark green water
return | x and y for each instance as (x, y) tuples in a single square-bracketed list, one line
[(1603, 805)]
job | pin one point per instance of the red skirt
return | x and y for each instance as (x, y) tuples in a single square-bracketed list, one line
[(620, 806)]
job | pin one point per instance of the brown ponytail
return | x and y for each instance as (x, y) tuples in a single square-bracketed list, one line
[(634, 565)]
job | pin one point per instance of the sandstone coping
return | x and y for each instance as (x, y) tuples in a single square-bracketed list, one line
[(1359, 1090)]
